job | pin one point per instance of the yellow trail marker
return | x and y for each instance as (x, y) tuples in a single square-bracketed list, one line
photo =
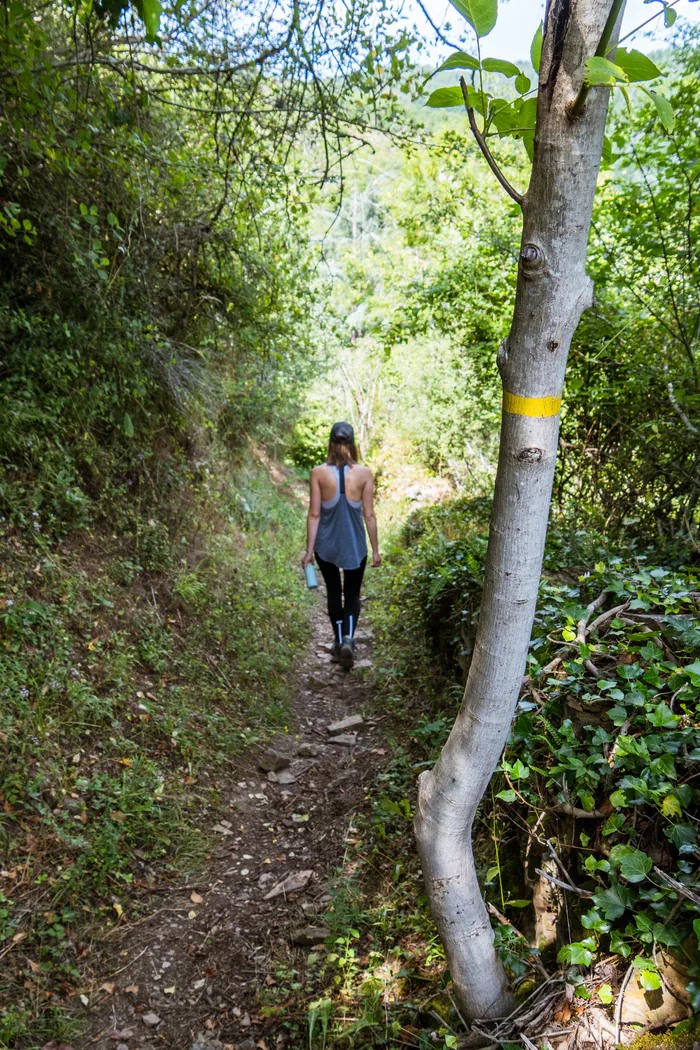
[(531, 406)]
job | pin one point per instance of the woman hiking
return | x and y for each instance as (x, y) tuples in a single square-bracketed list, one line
[(341, 495)]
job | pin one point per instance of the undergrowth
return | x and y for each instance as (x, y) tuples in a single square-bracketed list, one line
[(137, 660), (600, 761)]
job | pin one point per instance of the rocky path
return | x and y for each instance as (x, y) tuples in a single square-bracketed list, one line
[(192, 975)]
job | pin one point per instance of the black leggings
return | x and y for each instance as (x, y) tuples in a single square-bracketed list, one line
[(348, 613)]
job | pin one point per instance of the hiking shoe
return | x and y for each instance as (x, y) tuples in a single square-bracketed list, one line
[(335, 653), (347, 652)]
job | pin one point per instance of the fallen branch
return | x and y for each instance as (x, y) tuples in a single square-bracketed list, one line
[(592, 669), (560, 864), (620, 998), (564, 885), (575, 811), (604, 617), (679, 888), (583, 622)]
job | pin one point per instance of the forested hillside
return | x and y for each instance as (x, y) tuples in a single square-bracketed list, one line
[(222, 229)]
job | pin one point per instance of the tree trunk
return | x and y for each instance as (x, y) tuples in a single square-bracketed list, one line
[(552, 292)]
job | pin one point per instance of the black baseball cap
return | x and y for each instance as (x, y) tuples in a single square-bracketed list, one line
[(342, 433)]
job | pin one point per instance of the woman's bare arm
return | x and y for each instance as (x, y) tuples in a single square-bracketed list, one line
[(371, 519), (313, 517)]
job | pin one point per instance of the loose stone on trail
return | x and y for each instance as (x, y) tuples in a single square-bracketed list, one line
[(294, 883), (151, 1020), (307, 751), (344, 740), (205, 1041), (221, 830), (283, 777), (310, 936), (317, 685), (272, 760), (349, 722)]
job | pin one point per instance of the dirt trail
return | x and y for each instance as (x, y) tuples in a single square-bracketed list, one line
[(189, 976)]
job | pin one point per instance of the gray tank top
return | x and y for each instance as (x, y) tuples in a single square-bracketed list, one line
[(341, 536)]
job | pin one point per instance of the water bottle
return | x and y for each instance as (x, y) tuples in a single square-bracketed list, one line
[(311, 577)]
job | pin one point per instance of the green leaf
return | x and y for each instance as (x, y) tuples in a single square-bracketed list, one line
[(635, 866), (481, 14), (522, 84), (670, 16), (613, 902), (443, 97), (683, 836), (647, 973), (605, 994), (459, 60), (150, 12), (671, 807), (492, 873), (500, 65), (128, 425), (536, 49), (580, 953), (602, 72), (502, 116), (663, 717), (507, 796), (664, 110), (525, 116), (636, 65), (619, 945)]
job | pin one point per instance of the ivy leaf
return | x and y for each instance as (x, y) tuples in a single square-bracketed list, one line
[(647, 973), (636, 65), (481, 14), (663, 717), (619, 945), (683, 836), (500, 65), (579, 953), (635, 866), (613, 902), (693, 670), (605, 994), (536, 49), (507, 796), (671, 807), (602, 72), (594, 921), (664, 110)]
